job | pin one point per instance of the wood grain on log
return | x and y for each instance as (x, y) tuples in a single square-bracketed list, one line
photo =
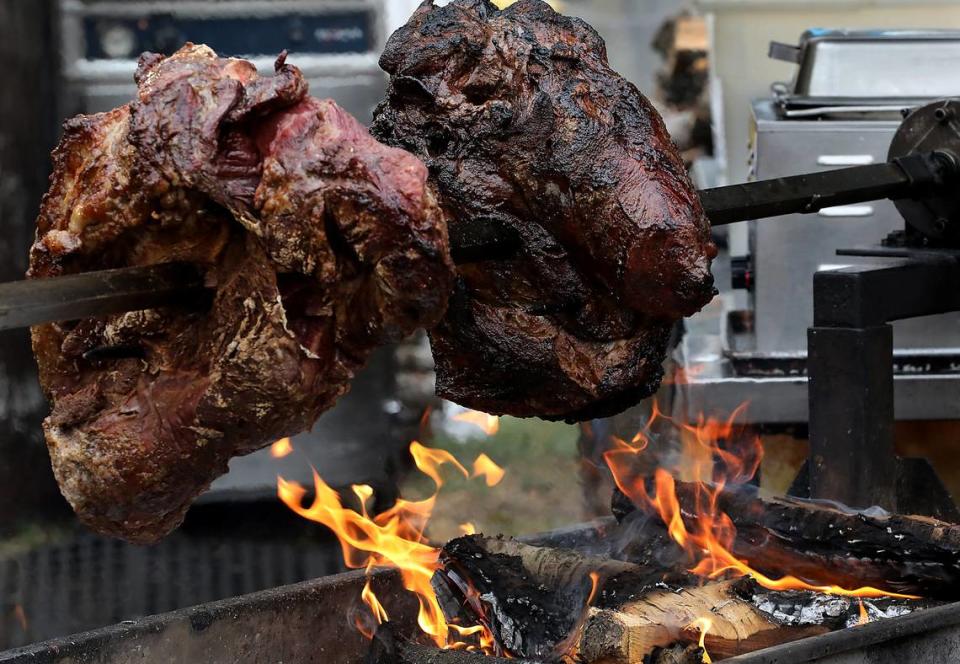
[(628, 633)]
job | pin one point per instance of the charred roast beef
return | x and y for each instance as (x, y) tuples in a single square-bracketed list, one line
[(523, 123), (321, 244)]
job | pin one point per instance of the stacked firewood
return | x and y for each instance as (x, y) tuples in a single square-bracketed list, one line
[(633, 599)]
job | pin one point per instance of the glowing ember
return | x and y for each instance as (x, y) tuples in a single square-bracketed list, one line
[(489, 424), (394, 538), (715, 454), (484, 467), (281, 448)]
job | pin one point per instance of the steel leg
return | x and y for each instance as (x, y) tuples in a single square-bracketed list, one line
[(851, 415)]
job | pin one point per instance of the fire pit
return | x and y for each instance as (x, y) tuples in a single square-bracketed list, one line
[(307, 622), (686, 570)]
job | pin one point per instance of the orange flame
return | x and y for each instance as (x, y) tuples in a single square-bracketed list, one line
[(370, 599), (468, 528), (484, 467), (281, 448), (394, 538), (21, 616), (715, 454), (864, 617), (490, 424), (594, 587), (429, 460), (703, 625)]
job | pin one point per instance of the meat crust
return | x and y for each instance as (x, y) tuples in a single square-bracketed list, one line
[(522, 121), (321, 244)]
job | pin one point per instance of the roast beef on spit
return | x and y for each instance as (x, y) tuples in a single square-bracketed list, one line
[(321, 245), (523, 123)]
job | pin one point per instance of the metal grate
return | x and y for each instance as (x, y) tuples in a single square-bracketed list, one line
[(90, 581)]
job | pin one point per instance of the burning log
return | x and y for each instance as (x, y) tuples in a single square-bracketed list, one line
[(824, 543), (543, 603), (678, 654), (532, 599)]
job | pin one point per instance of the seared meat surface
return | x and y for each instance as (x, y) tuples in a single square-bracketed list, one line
[(522, 121), (321, 245)]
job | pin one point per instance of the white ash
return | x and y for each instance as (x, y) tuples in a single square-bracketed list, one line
[(798, 609), (802, 608), (875, 612)]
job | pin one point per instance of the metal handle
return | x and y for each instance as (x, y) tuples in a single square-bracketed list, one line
[(835, 160), (840, 211), (785, 52)]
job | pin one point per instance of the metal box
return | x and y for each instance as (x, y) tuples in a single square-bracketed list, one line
[(787, 251), (873, 66), (335, 42)]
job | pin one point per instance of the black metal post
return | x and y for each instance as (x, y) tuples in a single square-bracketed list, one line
[(850, 367), (851, 415)]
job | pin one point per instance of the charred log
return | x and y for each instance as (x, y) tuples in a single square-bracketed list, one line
[(678, 654), (389, 648), (531, 598), (823, 543)]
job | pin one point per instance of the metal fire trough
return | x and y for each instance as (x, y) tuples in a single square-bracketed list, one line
[(311, 623)]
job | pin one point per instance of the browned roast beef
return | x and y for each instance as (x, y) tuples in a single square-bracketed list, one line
[(320, 242), (522, 122)]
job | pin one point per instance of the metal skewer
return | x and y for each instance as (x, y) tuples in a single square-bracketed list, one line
[(31, 302)]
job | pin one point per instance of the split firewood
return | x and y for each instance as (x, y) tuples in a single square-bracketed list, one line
[(825, 544), (544, 603), (733, 625)]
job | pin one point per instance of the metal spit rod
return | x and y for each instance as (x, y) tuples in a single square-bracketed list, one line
[(31, 302)]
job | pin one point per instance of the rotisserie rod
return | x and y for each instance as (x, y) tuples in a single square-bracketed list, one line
[(31, 302)]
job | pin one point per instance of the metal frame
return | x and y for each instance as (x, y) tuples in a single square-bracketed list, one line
[(931, 636), (114, 78), (850, 366)]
